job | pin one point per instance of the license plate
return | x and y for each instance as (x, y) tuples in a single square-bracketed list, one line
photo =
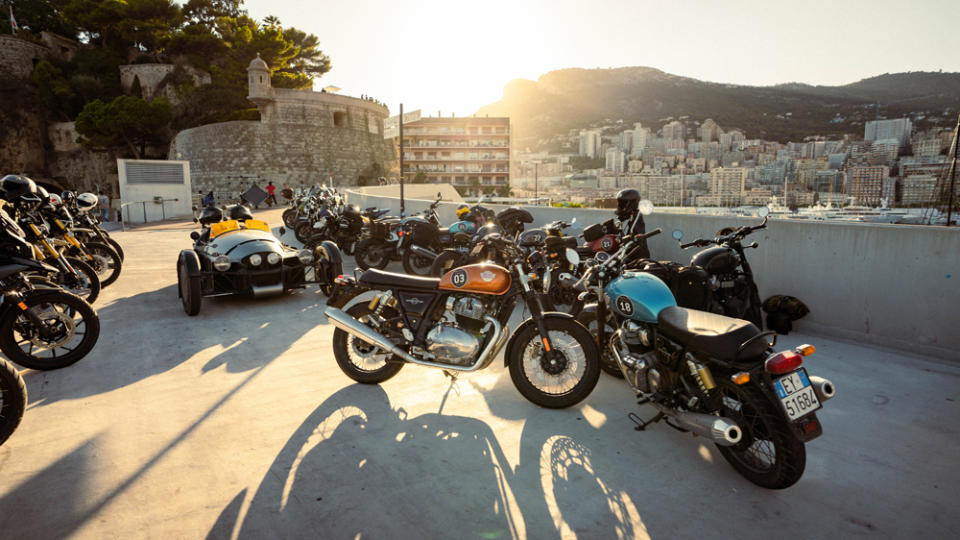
[(796, 395)]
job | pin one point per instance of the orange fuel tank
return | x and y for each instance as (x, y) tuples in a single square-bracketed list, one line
[(480, 278)]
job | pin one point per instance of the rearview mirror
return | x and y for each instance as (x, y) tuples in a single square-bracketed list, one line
[(573, 221), (677, 234), (645, 207), (439, 196), (194, 236), (282, 231), (764, 211), (195, 220)]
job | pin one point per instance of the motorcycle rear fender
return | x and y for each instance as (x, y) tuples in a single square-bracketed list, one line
[(513, 339), (333, 252), (345, 291)]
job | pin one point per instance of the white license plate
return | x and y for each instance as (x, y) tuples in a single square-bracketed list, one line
[(796, 395)]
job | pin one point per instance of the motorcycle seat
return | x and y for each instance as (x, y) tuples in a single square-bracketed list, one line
[(379, 278), (716, 335)]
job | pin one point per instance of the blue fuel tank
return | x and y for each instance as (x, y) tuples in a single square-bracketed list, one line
[(638, 296)]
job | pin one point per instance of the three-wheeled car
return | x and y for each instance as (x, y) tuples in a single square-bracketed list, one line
[(238, 255)]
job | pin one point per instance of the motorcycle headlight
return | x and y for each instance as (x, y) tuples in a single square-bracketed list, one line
[(305, 256), (222, 263), (255, 260), (273, 258)]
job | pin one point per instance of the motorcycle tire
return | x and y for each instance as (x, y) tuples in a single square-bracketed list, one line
[(86, 285), (13, 399), (445, 262), (116, 246), (608, 363), (303, 231), (416, 265), (766, 436), (290, 217), (107, 262), (58, 308), (581, 366), (350, 352), (372, 253)]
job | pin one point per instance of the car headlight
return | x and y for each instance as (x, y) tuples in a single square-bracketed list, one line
[(255, 260), (222, 263), (273, 258), (305, 256)]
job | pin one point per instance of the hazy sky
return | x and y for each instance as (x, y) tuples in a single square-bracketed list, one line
[(455, 56)]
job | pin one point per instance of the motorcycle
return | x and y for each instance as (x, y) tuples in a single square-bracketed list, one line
[(13, 399), (486, 243), (86, 224), (421, 237), (732, 289), (386, 238), (458, 323), (714, 376), (102, 257)]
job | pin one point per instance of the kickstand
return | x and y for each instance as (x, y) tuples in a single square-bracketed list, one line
[(641, 424), (453, 386)]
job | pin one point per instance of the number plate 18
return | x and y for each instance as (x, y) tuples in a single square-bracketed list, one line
[(796, 395)]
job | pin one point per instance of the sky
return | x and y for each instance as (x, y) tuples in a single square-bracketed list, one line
[(453, 56)]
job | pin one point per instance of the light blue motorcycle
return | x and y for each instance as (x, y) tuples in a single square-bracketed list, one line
[(715, 376)]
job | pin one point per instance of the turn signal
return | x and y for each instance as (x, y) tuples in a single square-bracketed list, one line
[(783, 362), (740, 378), (805, 350)]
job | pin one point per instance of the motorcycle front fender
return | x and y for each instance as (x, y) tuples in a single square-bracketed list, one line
[(513, 338)]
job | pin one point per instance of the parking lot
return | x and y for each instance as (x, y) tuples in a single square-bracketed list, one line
[(238, 423)]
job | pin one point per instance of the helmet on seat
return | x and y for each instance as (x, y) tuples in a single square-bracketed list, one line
[(86, 202), (13, 187), (462, 211), (239, 212), (55, 200), (210, 215), (628, 201)]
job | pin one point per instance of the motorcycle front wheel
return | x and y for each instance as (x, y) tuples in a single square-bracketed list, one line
[(416, 265), (106, 262), (555, 381), (70, 329), (372, 253), (84, 283), (768, 454), (359, 360), (13, 399), (116, 247)]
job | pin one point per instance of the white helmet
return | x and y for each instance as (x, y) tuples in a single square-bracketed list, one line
[(55, 200), (86, 202)]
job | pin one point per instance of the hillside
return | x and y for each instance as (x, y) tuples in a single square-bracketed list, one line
[(577, 98)]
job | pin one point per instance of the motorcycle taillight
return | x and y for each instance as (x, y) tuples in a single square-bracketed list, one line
[(783, 362)]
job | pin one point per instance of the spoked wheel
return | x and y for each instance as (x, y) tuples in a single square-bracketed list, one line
[(359, 360), (84, 283), (559, 378), (416, 265), (290, 217), (607, 362), (13, 399), (189, 287), (303, 231), (372, 253), (768, 454), (68, 329), (326, 270), (106, 262)]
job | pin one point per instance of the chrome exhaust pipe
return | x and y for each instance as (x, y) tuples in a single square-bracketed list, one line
[(423, 252), (823, 388), (266, 290), (721, 430), (361, 331)]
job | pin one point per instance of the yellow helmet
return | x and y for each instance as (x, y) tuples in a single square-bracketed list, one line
[(462, 210)]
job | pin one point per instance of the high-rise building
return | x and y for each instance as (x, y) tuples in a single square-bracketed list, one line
[(470, 152), (591, 142), (865, 183), (897, 128), (709, 130), (920, 189), (727, 184), (640, 137), (615, 159), (673, 130), (625, 142)]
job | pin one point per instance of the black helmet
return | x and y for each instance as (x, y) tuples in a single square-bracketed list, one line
[(627, 202), (210, 215), (239, 211), (13, 186)]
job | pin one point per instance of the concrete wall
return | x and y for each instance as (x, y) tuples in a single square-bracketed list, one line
[(887, 285), (136, 193)]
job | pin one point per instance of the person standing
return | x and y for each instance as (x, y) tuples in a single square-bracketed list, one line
[(271, 194), (104, 205), (209, 199)]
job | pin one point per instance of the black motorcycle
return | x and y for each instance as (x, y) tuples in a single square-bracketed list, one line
[(486, 244)]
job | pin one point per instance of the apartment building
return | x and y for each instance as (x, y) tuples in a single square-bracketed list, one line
[(472, 153)]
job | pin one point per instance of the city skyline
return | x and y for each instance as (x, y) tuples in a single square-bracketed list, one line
[(453, 58)]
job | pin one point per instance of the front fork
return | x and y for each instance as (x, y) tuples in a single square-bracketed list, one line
[(534, 300)]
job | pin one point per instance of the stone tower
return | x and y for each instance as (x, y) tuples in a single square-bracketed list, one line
[(258, 82)]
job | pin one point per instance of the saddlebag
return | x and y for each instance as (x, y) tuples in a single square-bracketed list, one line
[(689, 284)]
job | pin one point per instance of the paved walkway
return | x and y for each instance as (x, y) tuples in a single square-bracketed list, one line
[(238, 423)]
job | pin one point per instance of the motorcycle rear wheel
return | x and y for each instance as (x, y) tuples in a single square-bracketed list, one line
[(372, 253), (416, 265), (569, 386), (768, 454), (290, 217), (64, 312), (13, 399), (303, 231), (359, 360), (446, 261)]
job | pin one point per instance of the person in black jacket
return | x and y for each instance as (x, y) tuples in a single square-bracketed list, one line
[(631, 220)]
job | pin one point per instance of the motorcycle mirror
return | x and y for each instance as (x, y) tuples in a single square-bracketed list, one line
[(677, 234), (574, 220), (195, 220), (194, 236), (282, 231), (572, 256), (645, 207), (439, 196), (764, 211)]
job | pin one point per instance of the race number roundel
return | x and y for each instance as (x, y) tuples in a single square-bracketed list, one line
[(459, 277), (606, 244), (624, 305)]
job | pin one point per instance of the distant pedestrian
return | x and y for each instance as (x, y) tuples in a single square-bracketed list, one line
[(209, 200), (104, 205), (271, 194)]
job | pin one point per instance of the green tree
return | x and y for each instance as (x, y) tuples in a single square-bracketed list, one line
[(124, 126), (420, 178), (35, 16)]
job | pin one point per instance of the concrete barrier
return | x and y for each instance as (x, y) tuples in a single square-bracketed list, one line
[(887, 285)]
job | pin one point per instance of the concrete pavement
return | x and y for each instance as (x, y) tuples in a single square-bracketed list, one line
[(238, 423)]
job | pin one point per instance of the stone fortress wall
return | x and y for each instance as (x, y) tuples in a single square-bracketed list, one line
[(18, 56), (302, 138), (152, 76)]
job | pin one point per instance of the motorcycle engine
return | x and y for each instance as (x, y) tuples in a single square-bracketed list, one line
[(458, 343)]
